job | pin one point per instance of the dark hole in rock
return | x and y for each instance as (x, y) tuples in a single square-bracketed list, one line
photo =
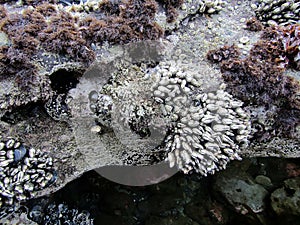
[(238, 190), (62, 80), (23, 112), (289, 192)]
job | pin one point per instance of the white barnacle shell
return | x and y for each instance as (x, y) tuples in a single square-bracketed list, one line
[(241, 112), (221, 127), (196, 116), (212, 146), (241, 138), (186, 147), (228, 151), (208, 119), (227, 139), (226, 121), (197, 131), (207, 136), (186, 157), (212, 107), (193, 123), (187, 130)]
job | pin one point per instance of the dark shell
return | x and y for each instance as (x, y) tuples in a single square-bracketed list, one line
[(19, 153), (53, 179), (70, 2)]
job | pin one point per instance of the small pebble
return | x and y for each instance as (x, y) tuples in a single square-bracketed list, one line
[(244, 40), (96, 129), (253, 6), (243, 20), (263, 180)]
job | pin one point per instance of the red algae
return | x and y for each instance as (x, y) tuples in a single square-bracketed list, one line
[(259, 79), (171, 7)]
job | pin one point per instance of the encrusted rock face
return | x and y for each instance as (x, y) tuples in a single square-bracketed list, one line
[(207, 127), (285, 200), (260, 80), (200, 130), (210, 134), (144, 113), (23, 171), (278, 12), (57, 108)]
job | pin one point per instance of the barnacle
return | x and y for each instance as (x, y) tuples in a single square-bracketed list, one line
[(278, 12), (24, 171), (195, 130)]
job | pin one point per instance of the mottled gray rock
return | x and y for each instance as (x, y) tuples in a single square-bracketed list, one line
[(264, 181), (180, 220), (241, 192), (286, 200)]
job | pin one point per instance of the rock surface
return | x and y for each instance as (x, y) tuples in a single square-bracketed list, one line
[(196, 30), (286, 200)]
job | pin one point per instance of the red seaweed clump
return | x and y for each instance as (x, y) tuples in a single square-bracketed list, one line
[(135, 22), (3, 13), (22, 30), (171, 7), (30, 2), (290, 37), (64, 37), (253, 24), (109, 8), (47, 28), (46, 9), (259, 79), (224, 53)]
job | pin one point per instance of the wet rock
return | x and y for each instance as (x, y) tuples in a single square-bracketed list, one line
[(118, 204), (264, 181), (242, 193), (181, 220), (286, 200), (205, 212), (168, 203), (110, 219)]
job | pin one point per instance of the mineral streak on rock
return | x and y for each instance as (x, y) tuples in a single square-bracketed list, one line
[(23, 171), (278, 12)]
